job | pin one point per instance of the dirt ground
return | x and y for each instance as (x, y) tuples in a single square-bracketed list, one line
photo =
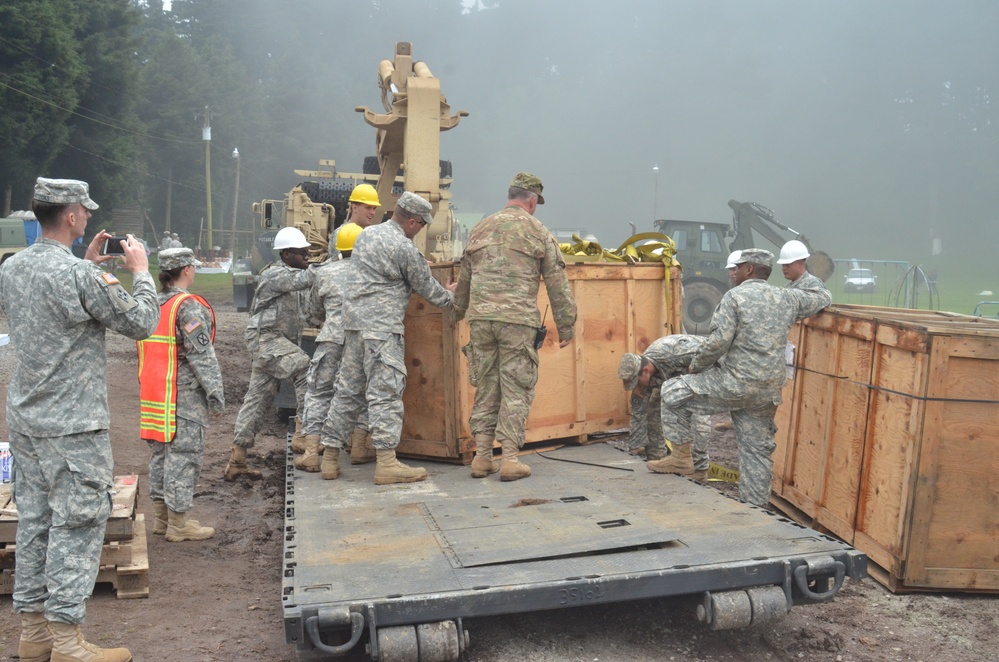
[(219, 600)]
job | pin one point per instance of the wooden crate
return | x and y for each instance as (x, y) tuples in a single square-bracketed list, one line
[(120, 525), (889, 438), (621, 308)]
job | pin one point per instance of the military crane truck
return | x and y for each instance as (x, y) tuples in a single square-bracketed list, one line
[(407, 144), (702, 249)]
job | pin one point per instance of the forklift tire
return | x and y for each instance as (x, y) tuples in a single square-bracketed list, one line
[(699, 303)]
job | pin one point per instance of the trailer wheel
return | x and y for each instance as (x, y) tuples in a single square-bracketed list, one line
[(699, 303)]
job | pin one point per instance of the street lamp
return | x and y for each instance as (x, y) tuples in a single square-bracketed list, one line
[(655, 197), (235, 205)]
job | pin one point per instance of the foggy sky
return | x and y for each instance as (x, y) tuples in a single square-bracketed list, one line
[(867, 125)]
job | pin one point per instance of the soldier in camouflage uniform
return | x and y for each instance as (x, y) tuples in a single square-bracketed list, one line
[(386, 269), (58, 307), (740, 368), (327, 307), (643, 375), (272, 334), (506, 256), (792, 264), (174, 466)]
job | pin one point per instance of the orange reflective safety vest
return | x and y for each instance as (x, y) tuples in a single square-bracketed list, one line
[(158, 359)]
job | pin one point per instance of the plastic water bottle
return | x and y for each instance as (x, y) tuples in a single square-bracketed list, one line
[(6, 463)]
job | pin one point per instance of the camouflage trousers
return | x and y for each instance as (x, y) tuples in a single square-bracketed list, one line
[(62, 488), (753, 420), (320, 386), (647, 430), (503, 368), (174, 468), (372, 372), (265, 379)]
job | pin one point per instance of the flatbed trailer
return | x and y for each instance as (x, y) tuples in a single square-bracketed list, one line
[(400, 566)]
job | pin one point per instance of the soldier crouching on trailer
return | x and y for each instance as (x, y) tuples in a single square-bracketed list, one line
[(276, 322), (643, 375), (58, 307), (180, 389), (740, 368), (386, 268)]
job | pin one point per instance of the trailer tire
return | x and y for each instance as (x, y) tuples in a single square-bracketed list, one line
[(699, 302)]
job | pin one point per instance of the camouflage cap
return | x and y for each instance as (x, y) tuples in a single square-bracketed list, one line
[(759, 256), (175, 258), (629, 369), (529, 182), (64, 192), (414, 204)]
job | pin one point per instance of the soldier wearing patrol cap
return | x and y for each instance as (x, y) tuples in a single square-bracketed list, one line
[(505, 258), (180, 391), (58, 307), (740, 368), (643, 375), (386, 269)]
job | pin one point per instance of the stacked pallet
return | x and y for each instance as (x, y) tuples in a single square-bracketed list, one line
[(124, 558)]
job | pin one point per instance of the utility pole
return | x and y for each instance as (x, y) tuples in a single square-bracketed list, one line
[(235, 205), (206, 135)]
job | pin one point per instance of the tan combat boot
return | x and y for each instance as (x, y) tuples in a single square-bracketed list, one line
[(389, 470), (482, 463), (330, 466), (36, 639), (237, 466), (512, 468), (679, 462), (362, 450), (181, 529), (160, 523), (68, 645), (297, 438), (310, 460)]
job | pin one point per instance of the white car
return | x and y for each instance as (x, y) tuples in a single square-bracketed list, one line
[(859, 280)]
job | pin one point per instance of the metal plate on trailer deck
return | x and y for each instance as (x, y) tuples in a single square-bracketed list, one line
[(484, 532)]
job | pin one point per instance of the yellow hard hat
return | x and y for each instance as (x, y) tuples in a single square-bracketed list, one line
[(347, 235), (365, 194)]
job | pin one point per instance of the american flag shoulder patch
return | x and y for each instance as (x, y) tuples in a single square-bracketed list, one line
[(110, 279), (191, 326)]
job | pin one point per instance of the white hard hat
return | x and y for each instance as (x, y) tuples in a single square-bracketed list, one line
[(290, 238), (793, 251), (732, 258)]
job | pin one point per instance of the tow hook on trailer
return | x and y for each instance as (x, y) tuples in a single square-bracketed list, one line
[(335, 617), (812, 578)]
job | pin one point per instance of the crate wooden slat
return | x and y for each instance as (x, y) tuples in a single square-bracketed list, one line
[(124, 564), (889, 438), (120, 524), (621, 308)]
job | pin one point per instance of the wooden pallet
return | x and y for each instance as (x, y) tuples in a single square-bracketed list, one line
[(124, 564), (120, 525)]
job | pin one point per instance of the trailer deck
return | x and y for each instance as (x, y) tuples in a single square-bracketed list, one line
[(591, 525)]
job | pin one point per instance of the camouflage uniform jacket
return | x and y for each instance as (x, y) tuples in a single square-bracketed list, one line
[(326, 305), (506, 256), (199, 377), (807, 282), (279, 306), (58, 307), (387, 269), (747, 338), (671, 355)]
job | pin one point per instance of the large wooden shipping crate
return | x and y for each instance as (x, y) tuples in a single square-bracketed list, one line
[(621, 308), (889, 438)]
